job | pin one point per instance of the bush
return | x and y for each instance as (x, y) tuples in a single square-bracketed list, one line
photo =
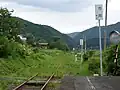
[(85, 57), (109, 56), (3, 44), (88, 55), (94, 65), (59, 45), (12, 48)]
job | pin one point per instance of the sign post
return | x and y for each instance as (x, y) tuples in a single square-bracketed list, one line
[(81, 44), (99, 16)]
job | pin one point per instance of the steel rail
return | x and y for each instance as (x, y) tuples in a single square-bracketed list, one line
[(22, 84)]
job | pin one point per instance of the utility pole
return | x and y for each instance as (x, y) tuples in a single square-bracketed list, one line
[(105, 24), (106, 12), (85, 44), (81, 44)]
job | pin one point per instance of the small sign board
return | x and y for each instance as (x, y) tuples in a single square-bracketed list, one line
[(81, 41), (99, 12), (115, 37)]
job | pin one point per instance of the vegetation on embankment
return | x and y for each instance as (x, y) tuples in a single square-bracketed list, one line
[(45, 62), (20, 59), (93, 59)]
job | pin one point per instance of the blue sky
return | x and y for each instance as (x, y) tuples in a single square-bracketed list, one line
[(64, 15)]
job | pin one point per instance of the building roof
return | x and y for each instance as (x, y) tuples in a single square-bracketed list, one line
[(43, 43)]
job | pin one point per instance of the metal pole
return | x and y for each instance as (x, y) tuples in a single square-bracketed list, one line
[(81, 53), (105, 24), (83, 48), (85, 44), (106, 13), (81, 44), (100, 49), (81, 57)]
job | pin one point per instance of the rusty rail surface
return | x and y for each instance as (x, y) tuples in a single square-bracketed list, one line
[(43, 87), (47, 82), (22, 84)]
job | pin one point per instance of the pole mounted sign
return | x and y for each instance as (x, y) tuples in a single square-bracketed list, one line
[(115, 37), (99, 16), (99, 12), (81, 42)]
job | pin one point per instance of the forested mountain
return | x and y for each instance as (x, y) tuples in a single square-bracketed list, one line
[(92, 35), (72, 35), (44, 33)]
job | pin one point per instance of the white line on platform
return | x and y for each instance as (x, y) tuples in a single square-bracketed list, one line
[(91, 85)]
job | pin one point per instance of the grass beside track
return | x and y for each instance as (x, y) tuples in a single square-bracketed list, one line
[(45, 62)]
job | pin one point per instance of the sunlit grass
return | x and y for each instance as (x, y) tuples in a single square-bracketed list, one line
[(45, 62)]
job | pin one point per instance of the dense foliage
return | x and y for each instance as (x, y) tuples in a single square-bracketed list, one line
[(109, 66), (58, 44), (9, 26), (88, 55), (10, 45), (14, 49), (109, 57), (92, 57), (18, 59)]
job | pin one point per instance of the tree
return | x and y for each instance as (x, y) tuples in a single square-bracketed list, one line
[(56, 38), (9, 26), (59, 44), (30, 39)]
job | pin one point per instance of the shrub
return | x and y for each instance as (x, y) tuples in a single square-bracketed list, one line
[(109, 56), (88, 55), (59, 45), (94, 65), (12, 48)]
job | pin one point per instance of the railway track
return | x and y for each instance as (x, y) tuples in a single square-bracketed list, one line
[(22, 84), (47, 82), (44, 84)]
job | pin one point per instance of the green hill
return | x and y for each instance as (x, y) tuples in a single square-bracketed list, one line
[(45, 33), (92, 35), (72, 35)]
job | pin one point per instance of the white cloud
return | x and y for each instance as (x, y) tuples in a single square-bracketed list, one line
[(56, 5), (65, 22), (113, 11), (114, 5)]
